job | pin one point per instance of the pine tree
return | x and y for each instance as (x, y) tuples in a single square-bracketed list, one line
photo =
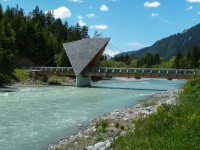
[(156, 59), (177, 61), (1, 12)]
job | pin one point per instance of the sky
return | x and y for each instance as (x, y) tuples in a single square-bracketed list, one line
[(131, 24)]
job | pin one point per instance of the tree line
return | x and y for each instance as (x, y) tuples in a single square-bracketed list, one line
[(34, 38), (190, 61)]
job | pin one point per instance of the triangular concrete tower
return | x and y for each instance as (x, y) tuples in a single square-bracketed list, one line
[(85, 53)]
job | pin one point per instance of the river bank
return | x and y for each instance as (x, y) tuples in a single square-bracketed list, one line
[(103, 130)]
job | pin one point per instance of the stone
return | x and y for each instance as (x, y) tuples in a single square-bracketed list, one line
[(125, 119), (90, 148), (123, 133), (108, 144), (106, 141), (99, 145), (103, 148)]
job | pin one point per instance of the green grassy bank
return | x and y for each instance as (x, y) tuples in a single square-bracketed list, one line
[(24, 77), (172, 127)]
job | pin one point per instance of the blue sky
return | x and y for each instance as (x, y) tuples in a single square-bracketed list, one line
[(131, 24)]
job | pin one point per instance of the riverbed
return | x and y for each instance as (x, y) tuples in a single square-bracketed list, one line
[(34, 117)]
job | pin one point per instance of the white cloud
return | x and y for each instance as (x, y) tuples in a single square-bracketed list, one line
[(80, 17), (136, 45), (81, 23), (111, 53), (91, 15), (193, 1), (104, 8), (92, 27), (101, 27), (61, 12), (153, 4), (115, 0), (198, 12), (189, 8), (155, 14), (76, 1)]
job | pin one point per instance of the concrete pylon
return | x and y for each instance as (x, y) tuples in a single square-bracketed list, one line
[(82, 81)]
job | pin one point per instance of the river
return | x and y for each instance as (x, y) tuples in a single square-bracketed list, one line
[(34, 117)]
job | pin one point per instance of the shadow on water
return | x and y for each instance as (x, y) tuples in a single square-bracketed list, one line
[(134, 89), (7, 89)]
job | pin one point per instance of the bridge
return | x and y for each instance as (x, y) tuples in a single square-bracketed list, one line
[(119, 72), (84, 56)]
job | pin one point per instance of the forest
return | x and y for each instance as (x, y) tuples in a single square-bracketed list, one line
[(33, 39), (190, 61)]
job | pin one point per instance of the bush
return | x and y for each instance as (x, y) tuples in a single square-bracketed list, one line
[(148, 104), (117, 125), (104, 123), (173, 127), (3, 79), (21, 74), (122, 127)]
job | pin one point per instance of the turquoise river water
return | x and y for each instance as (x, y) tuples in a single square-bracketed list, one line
[(34, 117)]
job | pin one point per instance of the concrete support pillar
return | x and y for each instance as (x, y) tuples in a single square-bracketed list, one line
[(82, 81)]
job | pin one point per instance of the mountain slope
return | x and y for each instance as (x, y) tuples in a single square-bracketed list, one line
[(168, 47)]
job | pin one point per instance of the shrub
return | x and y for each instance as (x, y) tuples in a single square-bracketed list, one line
[(173, 127), (117, 125), (148, 104), (122, 127), (104, 123)]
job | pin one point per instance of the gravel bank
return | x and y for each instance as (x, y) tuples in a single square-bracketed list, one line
[(118, 122)]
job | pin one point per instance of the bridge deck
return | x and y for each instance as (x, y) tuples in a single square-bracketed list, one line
[(120, 72)]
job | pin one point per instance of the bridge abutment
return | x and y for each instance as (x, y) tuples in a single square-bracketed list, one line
[(82, 81)]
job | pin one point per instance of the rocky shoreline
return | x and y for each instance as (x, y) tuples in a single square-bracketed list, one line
[(118, 122)]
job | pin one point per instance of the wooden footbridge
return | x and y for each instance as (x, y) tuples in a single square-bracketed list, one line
[(120, 72), (84, 56)]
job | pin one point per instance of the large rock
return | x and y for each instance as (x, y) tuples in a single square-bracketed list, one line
[(99, 145), (90, 148)]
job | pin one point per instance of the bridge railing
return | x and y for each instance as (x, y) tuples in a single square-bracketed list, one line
[(160, 71), (104, 70), (52, 69)]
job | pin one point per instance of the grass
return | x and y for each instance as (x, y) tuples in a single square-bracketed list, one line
[(172, 127), (21, 75), (103, 123), (148, 104)]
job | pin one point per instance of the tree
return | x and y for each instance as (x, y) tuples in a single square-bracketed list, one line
[(97, 35), (1, 12), (84, 32), (49, 19), (62, 60), (7, 44), (188, 60), (156, 59), (177, 61)]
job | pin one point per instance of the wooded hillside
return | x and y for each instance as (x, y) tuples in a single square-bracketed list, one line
[(33, 39)]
